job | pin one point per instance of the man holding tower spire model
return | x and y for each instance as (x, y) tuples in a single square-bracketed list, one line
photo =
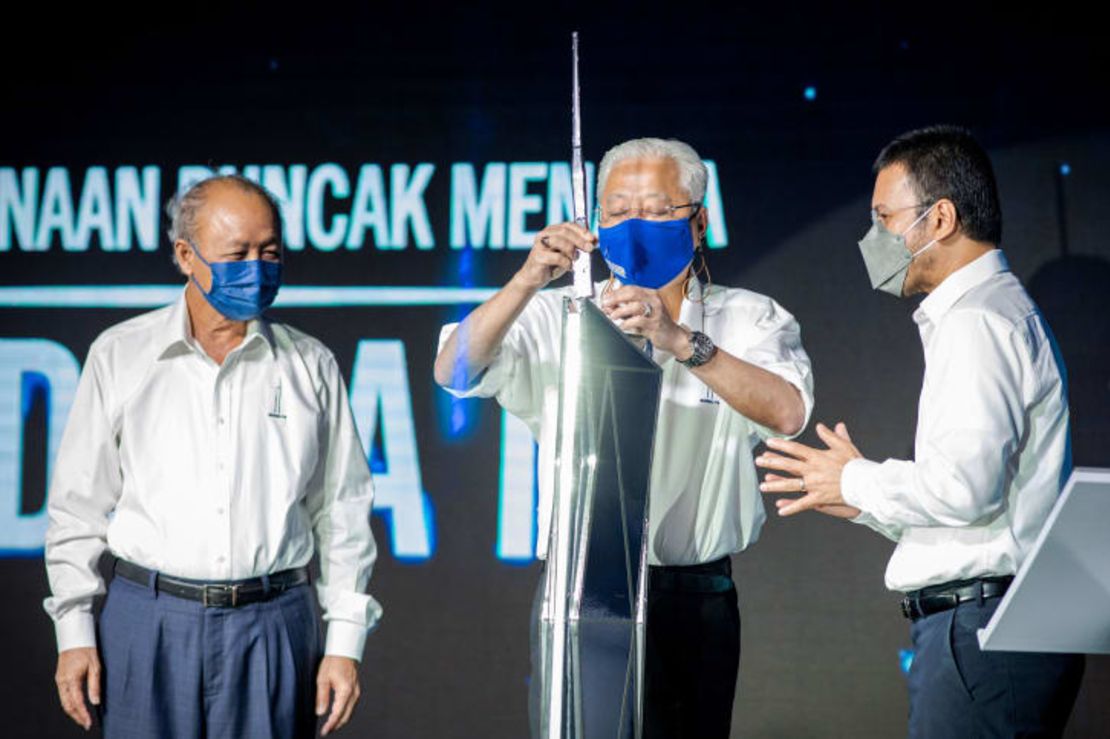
[(734, 374)]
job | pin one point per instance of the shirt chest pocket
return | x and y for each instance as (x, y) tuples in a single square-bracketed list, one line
[(287, 428)]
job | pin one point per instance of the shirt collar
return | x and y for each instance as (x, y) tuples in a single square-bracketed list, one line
[(959, 283), (177, 336)]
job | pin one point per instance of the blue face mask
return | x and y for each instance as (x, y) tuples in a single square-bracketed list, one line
[(647, 253), (241, 290)]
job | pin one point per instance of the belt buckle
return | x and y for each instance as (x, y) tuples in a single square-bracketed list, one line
[(233, 589)]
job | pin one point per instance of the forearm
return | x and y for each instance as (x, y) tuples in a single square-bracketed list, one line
[(473, 345), (928, 492), (752, 391)]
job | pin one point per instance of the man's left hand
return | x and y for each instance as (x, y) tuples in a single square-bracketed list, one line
[(338, 677), (639, 310), (816, 472)]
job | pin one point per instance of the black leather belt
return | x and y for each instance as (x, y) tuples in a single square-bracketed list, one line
[(231, 594), (936, 598), (709, 577)]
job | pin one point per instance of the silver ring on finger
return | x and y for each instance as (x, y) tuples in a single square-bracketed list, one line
[(647, 310), (801, 484)]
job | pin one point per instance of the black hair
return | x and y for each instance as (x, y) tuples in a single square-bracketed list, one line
[(947, 162)]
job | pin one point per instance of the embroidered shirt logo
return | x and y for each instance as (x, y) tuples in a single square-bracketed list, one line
[(709, 396), (275, 406)]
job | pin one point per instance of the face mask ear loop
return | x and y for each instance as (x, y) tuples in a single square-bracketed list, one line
[(193, 277), (608, 284), (705, 270), (931, 244), (924, 249), (696, 274)]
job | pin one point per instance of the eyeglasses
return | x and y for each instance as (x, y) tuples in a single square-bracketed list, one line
[(651, 211), (876, 216)]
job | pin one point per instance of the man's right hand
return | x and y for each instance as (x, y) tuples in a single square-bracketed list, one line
[(78, 670), (552, 254)]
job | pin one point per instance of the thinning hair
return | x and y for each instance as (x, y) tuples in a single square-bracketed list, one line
[(184, 207), (692, 172)]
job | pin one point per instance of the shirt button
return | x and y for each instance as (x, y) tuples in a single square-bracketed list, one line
[(221, 420), (220, 511), (220, 560)]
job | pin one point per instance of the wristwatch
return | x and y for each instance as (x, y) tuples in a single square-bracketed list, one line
[(703, 347)]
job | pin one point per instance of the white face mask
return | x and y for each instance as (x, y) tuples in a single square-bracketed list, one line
[(887, 258)]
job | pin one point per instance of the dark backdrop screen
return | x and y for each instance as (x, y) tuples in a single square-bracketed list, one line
[(415, 152)]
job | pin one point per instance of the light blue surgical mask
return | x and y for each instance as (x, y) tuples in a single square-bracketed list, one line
[(240, 290), (887, 258), (647, 253)]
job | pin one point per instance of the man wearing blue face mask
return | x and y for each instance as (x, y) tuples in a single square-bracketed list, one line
[(213, 451), (734, 374), (991, 450)]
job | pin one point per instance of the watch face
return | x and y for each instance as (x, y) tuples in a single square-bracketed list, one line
[(702, 347)]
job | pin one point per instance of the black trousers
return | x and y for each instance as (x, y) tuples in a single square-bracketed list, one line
[(692, 654), (958, 690)]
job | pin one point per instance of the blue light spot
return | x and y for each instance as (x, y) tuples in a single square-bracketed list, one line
[(1065, 169), (379, 464), (459, 418), (905, 660), (810, 93), (35, 388), (466, 267), (461, 414)]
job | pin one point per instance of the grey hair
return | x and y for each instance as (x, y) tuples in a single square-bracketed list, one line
[(183, 208), (692, 172)]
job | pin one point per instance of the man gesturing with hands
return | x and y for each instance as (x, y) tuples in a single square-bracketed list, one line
[(991, 450)]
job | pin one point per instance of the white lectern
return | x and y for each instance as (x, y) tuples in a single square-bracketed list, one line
[(1060, 600)]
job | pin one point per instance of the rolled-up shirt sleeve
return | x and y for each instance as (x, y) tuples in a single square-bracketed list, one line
[(959, 473), (497, 376), (339, 504), (84, 488), (525, 364), (776, 346)]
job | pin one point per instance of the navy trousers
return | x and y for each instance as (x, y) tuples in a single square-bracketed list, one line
[(173, 668), (958, 690)]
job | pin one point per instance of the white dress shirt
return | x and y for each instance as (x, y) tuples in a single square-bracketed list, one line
[(705, 501), (991, 451), (211, 472)]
